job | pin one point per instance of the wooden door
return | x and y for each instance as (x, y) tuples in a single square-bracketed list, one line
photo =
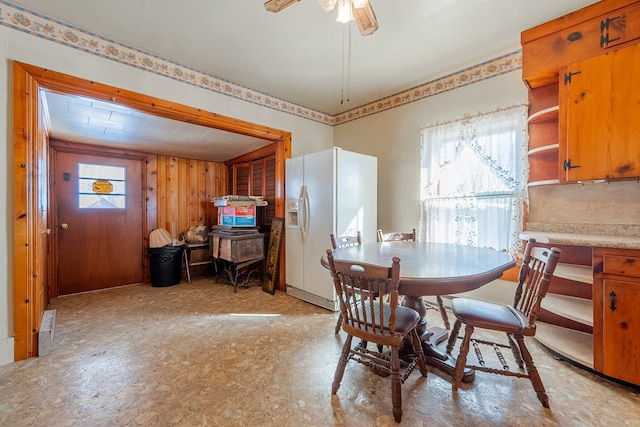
[(600, 104), (99, 237)]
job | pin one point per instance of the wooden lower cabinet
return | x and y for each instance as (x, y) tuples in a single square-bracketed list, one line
[(616, 300)]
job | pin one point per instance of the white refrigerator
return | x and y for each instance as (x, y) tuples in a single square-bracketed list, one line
[(332, 191)]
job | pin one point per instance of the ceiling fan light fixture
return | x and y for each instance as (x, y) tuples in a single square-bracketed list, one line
[(358, 4), (327, 5), (344, 11)]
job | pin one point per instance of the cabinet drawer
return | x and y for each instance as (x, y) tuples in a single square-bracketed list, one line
[(543, 57), (621, 265)]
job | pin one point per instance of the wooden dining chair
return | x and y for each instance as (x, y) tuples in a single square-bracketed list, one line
[(396, 236), (517, 321), (339, 242), (400, 236), (345, 240), (360, 288)]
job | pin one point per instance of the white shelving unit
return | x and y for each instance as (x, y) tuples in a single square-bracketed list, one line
[(543, 149), (577, 273), (573, 345), (544, 114), (576, 309)]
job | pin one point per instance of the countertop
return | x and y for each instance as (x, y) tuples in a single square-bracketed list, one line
[(623, 236)]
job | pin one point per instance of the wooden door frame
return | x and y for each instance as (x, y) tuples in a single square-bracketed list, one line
[(23, 216)]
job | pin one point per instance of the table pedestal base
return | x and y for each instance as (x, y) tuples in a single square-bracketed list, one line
[(441, 360), (431, 337)]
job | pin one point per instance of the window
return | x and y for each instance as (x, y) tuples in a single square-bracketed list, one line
[(101, 187), (473, 180)]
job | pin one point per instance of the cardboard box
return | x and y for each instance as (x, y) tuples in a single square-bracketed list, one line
[(234, 216)]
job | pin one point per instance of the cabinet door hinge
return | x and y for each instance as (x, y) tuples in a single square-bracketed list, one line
[(605, 40), (567, 77), (604, 29), (567, 165)]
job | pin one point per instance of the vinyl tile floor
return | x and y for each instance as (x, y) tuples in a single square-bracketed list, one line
[(201, 355)]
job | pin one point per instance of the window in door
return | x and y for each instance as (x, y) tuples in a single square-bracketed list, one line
[(101, 186)]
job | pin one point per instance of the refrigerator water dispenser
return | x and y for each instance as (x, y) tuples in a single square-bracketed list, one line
[(291, 219)]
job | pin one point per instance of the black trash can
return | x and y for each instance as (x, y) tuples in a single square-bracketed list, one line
[(165, 265)]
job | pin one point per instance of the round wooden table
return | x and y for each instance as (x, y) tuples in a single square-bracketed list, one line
[(428, 269)]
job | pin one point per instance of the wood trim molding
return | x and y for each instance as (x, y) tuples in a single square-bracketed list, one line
[(65, 83), (573, 18), (260, 153)]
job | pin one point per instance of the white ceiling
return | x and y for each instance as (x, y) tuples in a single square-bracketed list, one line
[(85, 120), (297, 54)]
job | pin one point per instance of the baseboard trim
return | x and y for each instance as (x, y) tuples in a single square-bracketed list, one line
[(6, 351), (313, 299)]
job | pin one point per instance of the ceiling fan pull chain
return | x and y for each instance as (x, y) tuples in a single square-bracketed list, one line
[(349, 64), (346, 61)]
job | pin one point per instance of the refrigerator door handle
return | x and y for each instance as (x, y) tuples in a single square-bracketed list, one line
[(304, 211)]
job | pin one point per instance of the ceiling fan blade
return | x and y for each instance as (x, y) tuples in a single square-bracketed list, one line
[(366, 19), (277, 5)]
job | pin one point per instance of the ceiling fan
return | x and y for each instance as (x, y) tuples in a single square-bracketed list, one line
[(358, 10)]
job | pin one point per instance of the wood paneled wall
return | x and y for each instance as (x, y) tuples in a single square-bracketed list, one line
[(181, 190)]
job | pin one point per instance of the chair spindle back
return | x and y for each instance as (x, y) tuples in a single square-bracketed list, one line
[(396, 236), (534, 279), (342, 241), (361, 289)]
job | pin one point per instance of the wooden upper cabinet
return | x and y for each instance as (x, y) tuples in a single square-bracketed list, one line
[(599, 126), (589, 32)]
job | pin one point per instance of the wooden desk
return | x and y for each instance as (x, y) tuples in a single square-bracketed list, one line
[(433, 269)]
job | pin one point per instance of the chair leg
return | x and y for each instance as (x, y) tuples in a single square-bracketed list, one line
[(396, 384), (443, 312), (419, 353), (342, 363), (516, 352), (532, 371), (338, 323), (461, 362), (453, 336)]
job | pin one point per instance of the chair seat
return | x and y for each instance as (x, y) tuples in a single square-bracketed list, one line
[(487, 315), (406, 318)]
